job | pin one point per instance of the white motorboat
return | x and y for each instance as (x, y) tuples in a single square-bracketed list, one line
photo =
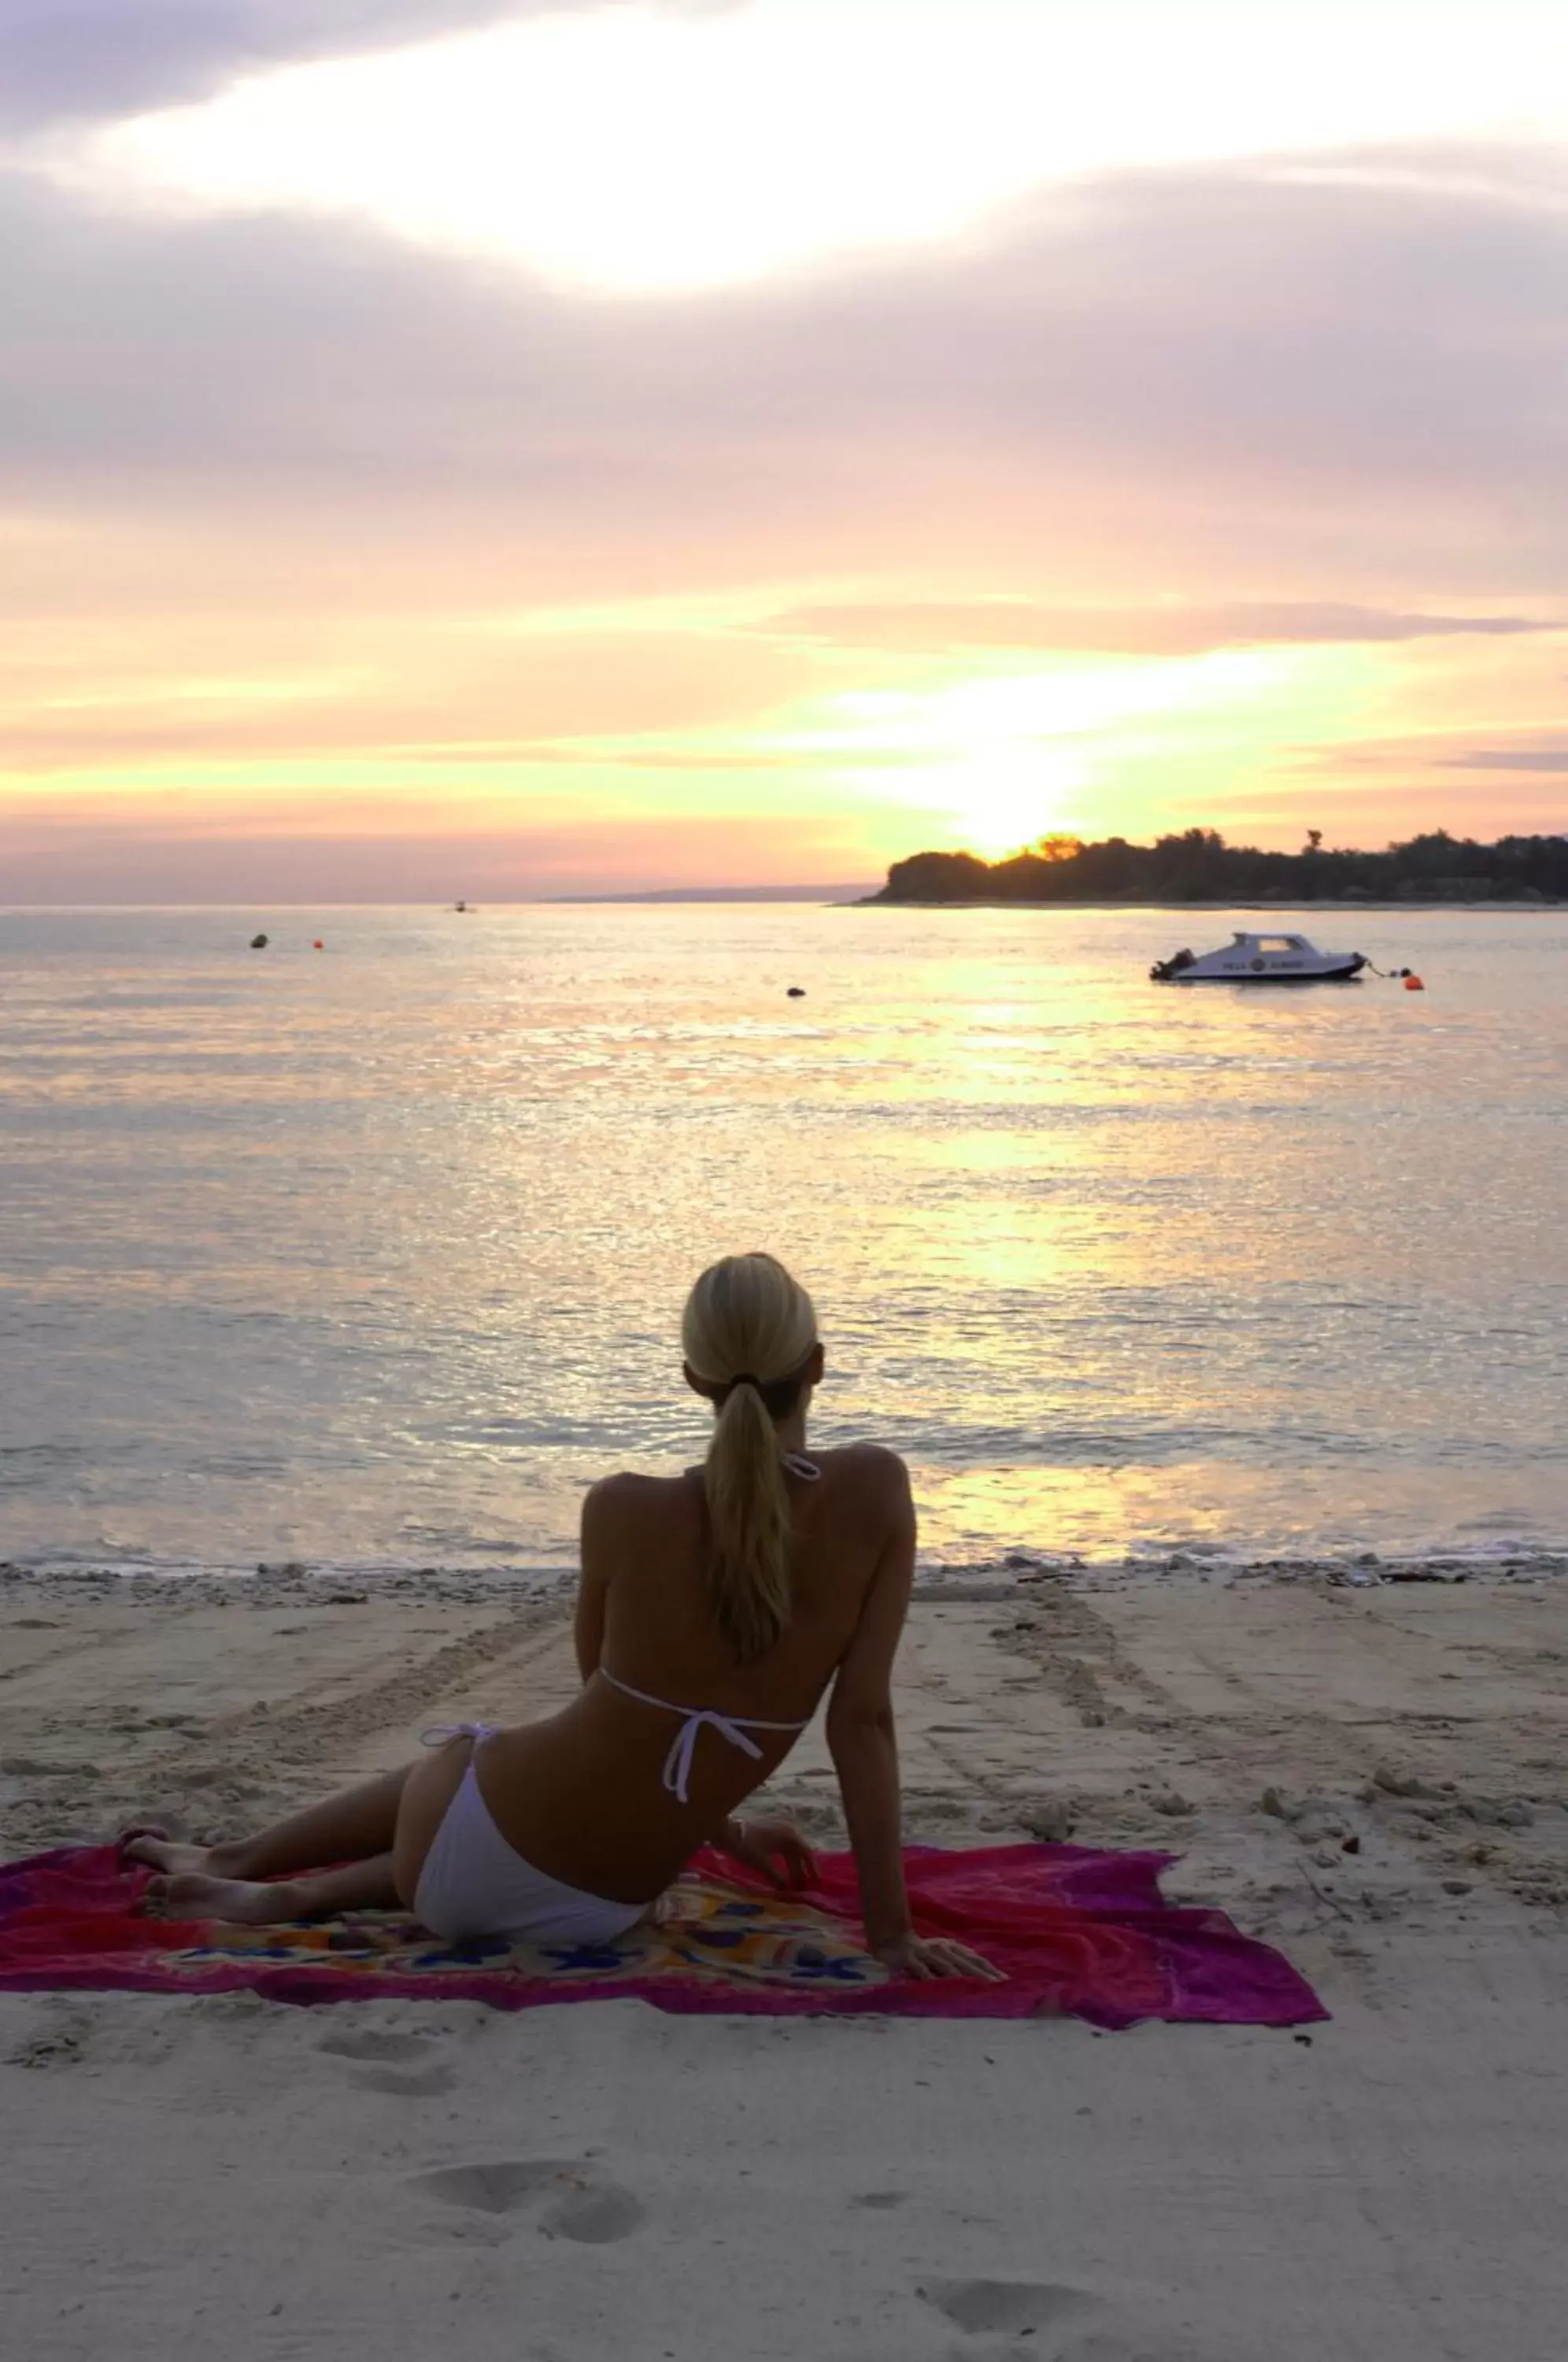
[(1260, 959)]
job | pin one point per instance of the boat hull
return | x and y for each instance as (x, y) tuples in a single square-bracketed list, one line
[(1340, 974)]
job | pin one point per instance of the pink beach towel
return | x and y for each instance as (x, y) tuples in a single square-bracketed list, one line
[(1078, 1933)]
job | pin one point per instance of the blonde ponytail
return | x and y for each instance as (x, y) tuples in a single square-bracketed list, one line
[(748, 1510), (749, 1333)]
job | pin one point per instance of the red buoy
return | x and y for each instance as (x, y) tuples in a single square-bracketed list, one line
[(319, 946), (1414, 984)]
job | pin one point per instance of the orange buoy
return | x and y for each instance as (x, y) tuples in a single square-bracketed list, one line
[(1414, 984), (319, 946)]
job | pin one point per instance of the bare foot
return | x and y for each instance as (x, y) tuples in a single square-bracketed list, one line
[(138, 1829), (248, 1903), (154, 1849)]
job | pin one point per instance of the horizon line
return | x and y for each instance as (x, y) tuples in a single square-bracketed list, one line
[(831, 890)]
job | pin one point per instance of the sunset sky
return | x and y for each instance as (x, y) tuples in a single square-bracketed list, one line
[(461, 448)]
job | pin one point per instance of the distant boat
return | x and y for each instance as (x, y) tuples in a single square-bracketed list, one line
[(465, 906), (1260, 959)]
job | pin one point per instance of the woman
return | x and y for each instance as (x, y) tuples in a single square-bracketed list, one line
[(715, 1610)]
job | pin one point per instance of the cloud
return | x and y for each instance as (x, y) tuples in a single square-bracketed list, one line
[(1160, 414), (622, 146), (938, 627), (103, 857), (80, 59), (1228, 377), (1511, 758), (1401, 809), (480, 696)]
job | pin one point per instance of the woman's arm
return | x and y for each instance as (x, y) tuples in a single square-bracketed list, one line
[(594, 1585), (864, 1745), (860, 1732)]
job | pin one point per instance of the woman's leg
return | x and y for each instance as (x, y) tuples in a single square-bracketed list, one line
[(279, 1875), (355, 1827), (357, 1886)]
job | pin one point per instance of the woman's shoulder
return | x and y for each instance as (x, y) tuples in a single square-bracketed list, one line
[(871, 1469), (631, 1490)]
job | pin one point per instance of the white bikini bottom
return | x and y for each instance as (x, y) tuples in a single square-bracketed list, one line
[(473, 1883)]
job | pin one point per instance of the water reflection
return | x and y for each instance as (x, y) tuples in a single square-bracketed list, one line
[(381, 1254)]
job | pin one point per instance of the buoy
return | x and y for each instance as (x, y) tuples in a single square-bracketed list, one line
[(258, 942), (1414, 984), (797, 992), (319, 946)]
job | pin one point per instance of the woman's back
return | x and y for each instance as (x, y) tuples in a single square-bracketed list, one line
[(659, 1622), (646, 1623)]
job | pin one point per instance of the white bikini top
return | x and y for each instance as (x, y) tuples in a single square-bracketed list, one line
[(695, 1719), (677, 1763)]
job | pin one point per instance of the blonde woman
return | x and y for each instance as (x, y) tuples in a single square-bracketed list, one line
[(715, 1610)]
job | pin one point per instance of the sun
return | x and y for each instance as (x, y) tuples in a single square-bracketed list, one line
[(989, 761), (1002, 799)]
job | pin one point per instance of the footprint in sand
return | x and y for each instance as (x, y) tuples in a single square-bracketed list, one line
[(372, 2042), (55, 2050), (570, 2200), (1010, 2308), (1045, 2321), (398, 2064), (412, 2083)]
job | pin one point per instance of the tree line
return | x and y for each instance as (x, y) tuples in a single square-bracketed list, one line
[(1198, 866)]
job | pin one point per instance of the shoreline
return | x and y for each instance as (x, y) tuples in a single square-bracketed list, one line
[(1359, 1567), (1488, 907)]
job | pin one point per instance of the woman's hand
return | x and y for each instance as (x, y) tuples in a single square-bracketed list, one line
[(775, 1848), (935, 1956)]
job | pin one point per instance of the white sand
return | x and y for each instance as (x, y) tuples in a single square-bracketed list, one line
[(227, 2177)]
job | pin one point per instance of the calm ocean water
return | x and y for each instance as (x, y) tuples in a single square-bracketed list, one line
[(376, 1255)]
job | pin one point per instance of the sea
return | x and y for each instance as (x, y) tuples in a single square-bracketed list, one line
[(368, 1250)]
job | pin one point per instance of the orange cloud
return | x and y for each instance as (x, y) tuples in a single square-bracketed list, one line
[(332, 539)]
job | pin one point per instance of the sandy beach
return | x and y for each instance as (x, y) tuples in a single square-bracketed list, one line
[(1368, 1774)]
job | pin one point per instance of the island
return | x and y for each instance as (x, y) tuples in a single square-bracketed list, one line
[(1198, 866)]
